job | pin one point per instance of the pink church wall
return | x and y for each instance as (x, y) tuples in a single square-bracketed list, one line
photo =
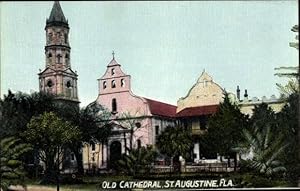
[(145, 133), (126, 102), (133, 105)]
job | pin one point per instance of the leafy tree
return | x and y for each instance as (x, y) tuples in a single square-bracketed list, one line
[(51, 135), (131, 122), (174, 142), (295, 44), (263, 116), (288, 89), (225, 129), (295, 69), (287, 71), (16, 110), (138, 162), (289, 118), (288, 128), (92, 122), (11, 166), (11, 119)]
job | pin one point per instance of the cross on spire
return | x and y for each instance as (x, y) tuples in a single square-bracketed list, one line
[(113, 53)]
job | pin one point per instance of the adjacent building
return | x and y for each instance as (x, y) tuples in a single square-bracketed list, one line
[(202, 101)]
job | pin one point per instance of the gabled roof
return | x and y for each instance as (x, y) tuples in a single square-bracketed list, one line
[(204, 77), (113, 62), (51, 70), (197, 111), (47, 70), (161, 109), (56, 15)]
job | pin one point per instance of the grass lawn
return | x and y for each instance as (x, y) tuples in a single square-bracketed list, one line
[(53, 188), (85, 187), (90, 183)]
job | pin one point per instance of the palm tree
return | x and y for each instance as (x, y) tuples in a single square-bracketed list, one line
[(93, 124), (261, 151), (175, 141), (138, 161), (11, 171)]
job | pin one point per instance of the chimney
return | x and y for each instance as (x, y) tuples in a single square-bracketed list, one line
[(238, 93), (246, 94)]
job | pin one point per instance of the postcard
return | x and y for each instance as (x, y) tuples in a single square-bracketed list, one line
[(149, 95)]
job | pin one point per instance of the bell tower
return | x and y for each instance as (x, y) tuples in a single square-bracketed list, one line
[(58, 78), (114, 80)]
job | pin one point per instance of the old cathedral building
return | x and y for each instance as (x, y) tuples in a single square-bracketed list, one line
[(147, 117)]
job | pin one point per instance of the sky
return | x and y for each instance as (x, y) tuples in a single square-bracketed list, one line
[(164, 46)]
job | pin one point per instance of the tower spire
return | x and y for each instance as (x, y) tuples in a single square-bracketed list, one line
[(58, 77), (57, 15)]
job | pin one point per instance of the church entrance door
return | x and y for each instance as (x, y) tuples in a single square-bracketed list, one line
[(115, 153)]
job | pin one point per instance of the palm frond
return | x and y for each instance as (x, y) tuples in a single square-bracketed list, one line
[(266, 149), (287, 68), (11, 169)]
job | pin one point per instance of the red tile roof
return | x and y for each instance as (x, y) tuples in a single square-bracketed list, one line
[(161, 109), (196, 111)]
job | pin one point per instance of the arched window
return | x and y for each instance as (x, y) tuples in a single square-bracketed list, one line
[(93, 146), (69, 84), (66, 38), (67, 56), (50, 35), (49, 55), (114, 105), (112, 71), (104, 84), (156, 130), (58, 34), (113, 84), (122, 83), (139, 144), (205, 83), (138, 125), (49, 83)]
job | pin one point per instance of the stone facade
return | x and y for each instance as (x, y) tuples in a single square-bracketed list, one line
[(247, 105), (194, 109), (202, 101), (58, 78), (204, 92)]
